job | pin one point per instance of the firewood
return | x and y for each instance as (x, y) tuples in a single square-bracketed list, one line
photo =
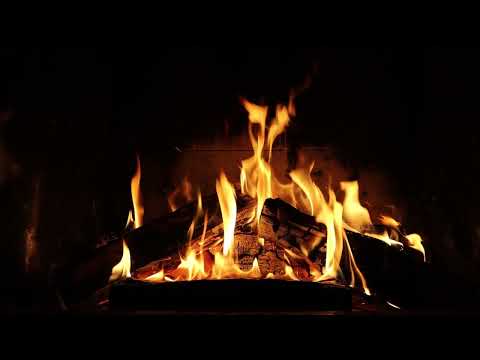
[(157, 240), (165, 236), (384, 266)]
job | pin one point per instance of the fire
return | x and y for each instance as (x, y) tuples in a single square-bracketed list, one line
[(137, 196), (201, 260), (228, 205), (122, 269), (354, 214), (256, 177), (415, 242)]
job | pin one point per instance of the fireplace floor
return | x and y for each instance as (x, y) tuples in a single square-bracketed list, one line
[(230, 295)]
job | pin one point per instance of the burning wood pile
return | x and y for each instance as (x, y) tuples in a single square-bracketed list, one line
[(259, 229)]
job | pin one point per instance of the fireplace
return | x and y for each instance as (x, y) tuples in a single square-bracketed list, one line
[(313, 181)]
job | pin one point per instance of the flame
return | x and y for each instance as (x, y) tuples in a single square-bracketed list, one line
[(277, 127), (354, 214), (289, 273), (255, 270), (157, 277), (137, 196), (122, 269), (415, 242), (256, 177), (302, 178), (228, 206), (270, 276)]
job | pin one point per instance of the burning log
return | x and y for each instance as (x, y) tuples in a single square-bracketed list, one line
[(157, 240), (281, 228), (165, 236), (384, 266)]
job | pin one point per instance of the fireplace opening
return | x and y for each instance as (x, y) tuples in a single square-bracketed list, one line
[(321, 181)]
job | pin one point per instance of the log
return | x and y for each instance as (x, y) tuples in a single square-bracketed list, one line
[(157, 240), (386, 268), (285, 228), (282, 227), (166, 235)]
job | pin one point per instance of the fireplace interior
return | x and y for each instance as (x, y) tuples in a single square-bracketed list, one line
[(197, 180)]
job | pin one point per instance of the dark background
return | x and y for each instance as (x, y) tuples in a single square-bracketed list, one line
[(72, 119)]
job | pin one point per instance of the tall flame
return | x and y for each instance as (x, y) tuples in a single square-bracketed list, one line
[(137, 196), (228, 206), (256, 178), (122, 269)]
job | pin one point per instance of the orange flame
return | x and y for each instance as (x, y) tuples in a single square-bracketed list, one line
[(122, 269), (137, 196), (228, 206)]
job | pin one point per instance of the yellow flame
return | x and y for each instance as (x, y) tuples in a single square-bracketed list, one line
[(228, 206), (315, 199), (415, 242), (122, 269), (261, 241), (137, 196), (354, 214), (277, 127), (255, 270), (256, 178), (157, 277), (289, 273)]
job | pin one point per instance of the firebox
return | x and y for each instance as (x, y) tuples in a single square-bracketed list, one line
[(211, 186)]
